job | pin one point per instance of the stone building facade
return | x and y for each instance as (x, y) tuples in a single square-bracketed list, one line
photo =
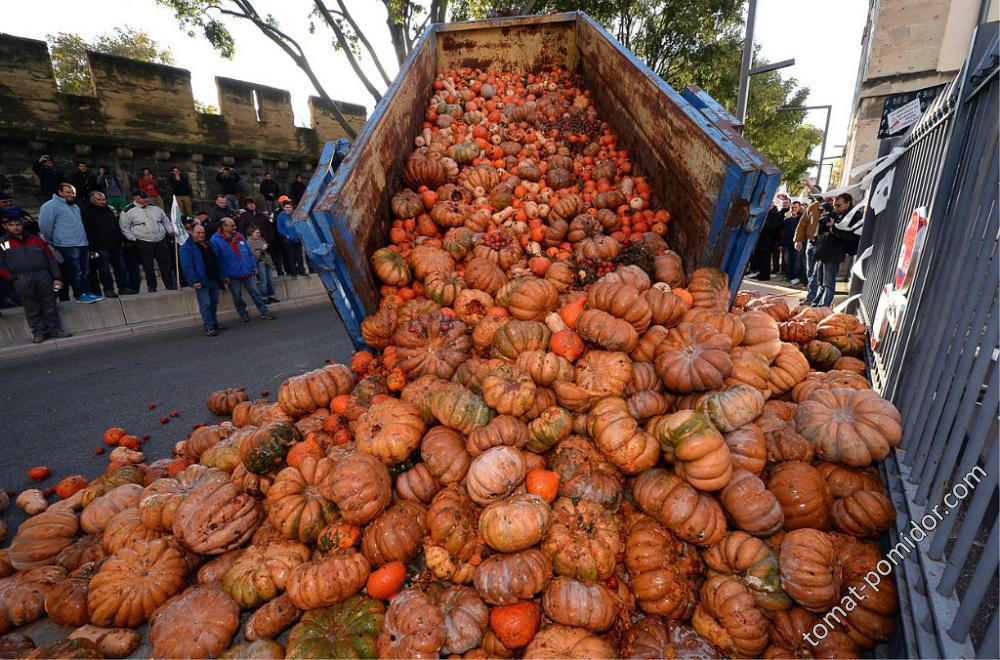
[(143, 115), (908, 46)]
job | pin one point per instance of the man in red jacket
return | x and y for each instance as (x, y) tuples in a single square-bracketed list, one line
[(27, 261)]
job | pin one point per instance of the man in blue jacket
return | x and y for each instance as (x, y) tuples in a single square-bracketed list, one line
[(237, 268), (62, 226), (293, 244), (201, 267)]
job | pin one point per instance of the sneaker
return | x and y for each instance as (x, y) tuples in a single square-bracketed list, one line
[(110, 294), (211, 332), (245, 318), (795, 281), (37, 338), (59, 334), (127, 292), (87, 298), (268, 316)]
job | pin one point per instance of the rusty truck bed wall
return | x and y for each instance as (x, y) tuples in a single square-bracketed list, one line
[(715, 186)]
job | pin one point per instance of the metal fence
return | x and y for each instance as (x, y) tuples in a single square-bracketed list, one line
[(938, 363)]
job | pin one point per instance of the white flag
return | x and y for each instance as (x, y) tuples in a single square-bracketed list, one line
[(175, 220)]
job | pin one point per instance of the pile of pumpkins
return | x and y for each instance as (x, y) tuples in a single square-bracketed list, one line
[(561, 445)]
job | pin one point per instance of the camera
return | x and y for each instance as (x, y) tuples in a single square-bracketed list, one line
[(827, 207)]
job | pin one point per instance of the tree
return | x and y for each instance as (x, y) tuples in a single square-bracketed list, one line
[(69, 55), (693, 42), (405, 21)]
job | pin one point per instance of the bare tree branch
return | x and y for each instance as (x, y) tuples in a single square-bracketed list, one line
[(345, 46), (364, 40)]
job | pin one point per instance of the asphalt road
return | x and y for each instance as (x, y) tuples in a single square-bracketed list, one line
[(54, 408)]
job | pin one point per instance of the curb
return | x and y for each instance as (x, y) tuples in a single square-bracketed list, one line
[(139, 329)]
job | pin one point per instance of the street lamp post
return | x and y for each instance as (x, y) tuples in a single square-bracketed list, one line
[(826, 129), (745, 71)]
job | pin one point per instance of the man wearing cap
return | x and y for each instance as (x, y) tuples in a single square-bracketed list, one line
[(147, 226), (270, 191), (62, 227), (9, 208), (29, 263)]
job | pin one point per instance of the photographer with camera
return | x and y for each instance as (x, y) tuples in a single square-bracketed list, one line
[(49, 177), (805, 237), (837, 237), (229, 181)]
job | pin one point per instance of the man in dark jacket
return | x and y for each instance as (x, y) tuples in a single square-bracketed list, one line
[(237, 268), (760, 260), (216, 215), (201, 268), (105, 238), (270, 191), (229, 181), (49, 177), (27, 261), (83, 180), (835, 240), (180, 187), (298, 189), (251, 217)]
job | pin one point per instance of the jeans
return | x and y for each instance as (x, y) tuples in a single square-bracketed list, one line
[(208, 303), (792, 258), (810, 272), (76, 268), (264, 281), (39, 301), (159, 251), (108, 261), (236, 287), (825, 273), (293, 258)]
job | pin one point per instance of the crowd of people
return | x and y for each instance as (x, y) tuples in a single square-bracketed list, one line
[(806, 242), (94, 234)]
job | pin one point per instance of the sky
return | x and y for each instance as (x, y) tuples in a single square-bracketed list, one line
[(826, 62)]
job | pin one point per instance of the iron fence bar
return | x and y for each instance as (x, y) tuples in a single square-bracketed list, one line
[(961, 280), (971, 455), (957, 417), (975, 512), (977, 587)]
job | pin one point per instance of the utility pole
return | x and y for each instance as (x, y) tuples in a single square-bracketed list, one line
[(741, 103)]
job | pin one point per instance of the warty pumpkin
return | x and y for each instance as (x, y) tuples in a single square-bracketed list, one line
[(504, 579), (215, 517), (516, 523), (729, 619), (574, 603), (261, 572), (583, 540), (396, 535), (328, 580), (691, 515), (264, 449), (558, 641)]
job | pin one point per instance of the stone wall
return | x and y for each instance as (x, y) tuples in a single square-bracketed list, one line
[(143, 115)]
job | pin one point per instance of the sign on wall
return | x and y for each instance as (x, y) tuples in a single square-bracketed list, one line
[(903, 110)]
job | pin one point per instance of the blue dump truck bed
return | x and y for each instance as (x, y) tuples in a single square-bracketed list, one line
[(716, 186)]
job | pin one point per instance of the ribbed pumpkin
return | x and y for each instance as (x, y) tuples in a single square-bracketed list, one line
[(40, 538), (751, 561), (300, 395), (261, 571), (732, 407), (396, 535), (431, 345), (852, 427), (747, 447), (845, 331), (585, 474), (691, 515), (222, 402), (810, 571), (348, 629), (583, 540), (750, 506), (802, 494), (664, 570), (458, 408), (516, 337), (693, 358), (695, 447), (390, 431), (295, 506), (495, 474), (509, 390), (728, 618), (547, 429), (574, 603), (619, 436)]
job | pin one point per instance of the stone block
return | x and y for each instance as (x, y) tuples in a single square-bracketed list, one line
[(281, 164), (161, 155), (197, 158), (160, 305), (124, 152), (228, 160), (95, 316), (83, 149), (36, 146)]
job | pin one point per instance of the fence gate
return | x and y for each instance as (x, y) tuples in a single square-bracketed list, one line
[(937, 361)]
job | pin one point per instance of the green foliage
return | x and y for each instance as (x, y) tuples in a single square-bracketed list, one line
[(69, 55), (193, 16), (205, 108), (692, 42)]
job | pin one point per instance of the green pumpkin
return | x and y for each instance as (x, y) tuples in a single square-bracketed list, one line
[(459, 242), (452, 109), (821, 354), (224, 454), (459, 408), (763, 580), (348, 629), (552, 426), (265, 449), (390, 267), (464, 152), (124, 474)]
